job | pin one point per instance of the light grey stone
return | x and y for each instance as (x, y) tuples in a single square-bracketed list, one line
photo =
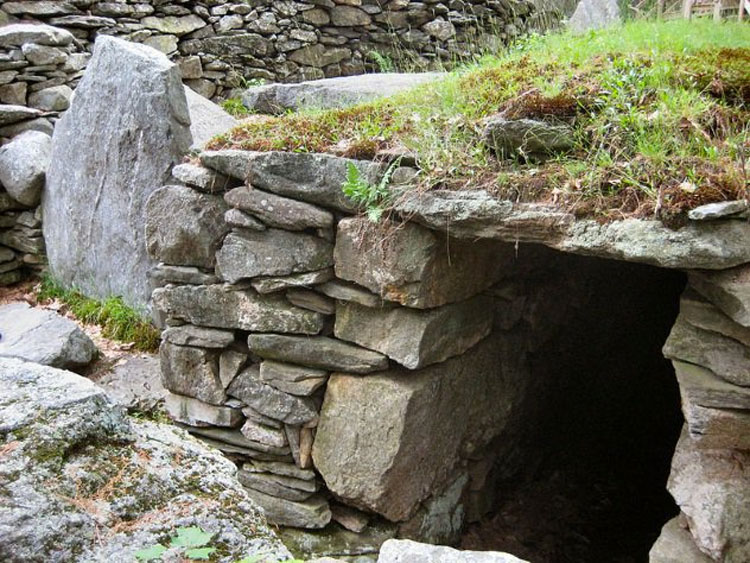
[(346, 291), (717, 428), (16, 34), (724, 356), (184, 227), (135, 383), (230, 307), (236, 218), (204, 179), (43, 337), (276, 485), (720, 210), (314, 178), (297, 380), (318, 352), (311, 300), (287, 469), (701, 313), (594, 14), (416, 338), (166, 44), (230, 364), (337, 542), (13, 94), (703, 387), (43, 54), (272, 252), (712, 488), (729, 290), (12, 113), (713, 245), (440, 518), (372, 428), (307, 279), (349, 518), (331, 92), (54, 98), (193, 412), (278, 211), (164, 274), (38, 8), (236, 438), (676, 545), (408, 551), (418, 267), (23, 165), (192, 372), (311, 513), (255, 416), (509, 138), (207, 119), (173, 25), (270, 402), (196, 336), (129, 108), (40, 124), (264, 434)]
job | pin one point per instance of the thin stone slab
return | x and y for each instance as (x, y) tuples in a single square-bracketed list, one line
[(201, 337), (164, 274), (307, 279), (712, 428), (311, 300), (255, 416), (192, 372), (702, 387), (237, 218), (13, 113), (297, 380), (43, 337), (312, 513), (197, 413), (287, 469), (701, 313), (272, 252), (16, 34), (318, 352), (264, 434), (229, 307), (276, 485), (345, 291), (278, 211), (237, 438), (416, 338), (729, 290), (720, 210), (201, 178)]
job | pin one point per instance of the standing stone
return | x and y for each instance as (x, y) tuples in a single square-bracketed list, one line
[(207, 119), (127, 126), (184, 227), (416, 338), (23, 164), (595, 14)]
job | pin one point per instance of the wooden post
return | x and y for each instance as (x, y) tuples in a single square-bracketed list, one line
[(744, 6), (660, 9), (717, 10), (687, 9)]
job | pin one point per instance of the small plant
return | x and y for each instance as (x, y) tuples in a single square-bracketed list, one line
[(192, 541), (373, 198), (235, 107), (383, 62)]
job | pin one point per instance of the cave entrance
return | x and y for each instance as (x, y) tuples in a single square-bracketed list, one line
[(607, 409)]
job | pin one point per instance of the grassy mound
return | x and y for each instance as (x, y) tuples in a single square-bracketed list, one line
[(661, 114)]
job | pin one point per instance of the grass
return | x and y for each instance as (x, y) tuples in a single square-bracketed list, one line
[(118, 321), (660, 113)]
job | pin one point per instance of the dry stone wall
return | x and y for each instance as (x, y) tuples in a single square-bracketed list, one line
[(219, 44)]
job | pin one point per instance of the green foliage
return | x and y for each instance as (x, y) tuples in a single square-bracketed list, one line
[(235, 107), (192, 540), (150, 553), (118, 321), (383, 62), (373, 198)]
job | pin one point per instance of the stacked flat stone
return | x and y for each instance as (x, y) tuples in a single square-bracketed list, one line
[(38, 66), (220, 43)]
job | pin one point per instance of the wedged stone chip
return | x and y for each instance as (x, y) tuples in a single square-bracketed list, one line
[(408, 551), (508, 138), (163, 274), (415, 338), (288, 469), (237, 218), (712, 211), (297, 380), (676, 545), (43, 337), (717, 428), (278, 211), (729, 290), (713, 245), (197, 413), (306, 440), (311, 300), (233, 441), (235, 451), (184, 227), (314, 178), (227, 307), (311, 513), (307, 279), (372, 428), (23, 165), (127, 126), (250, 389), (271, 253), (704, 388), (201, 337), (277, 485), (346, 291), (207, 119), (230, 364), (712, 488), (192, 372), (14, 113), (701, 313), (318, 352), (725, 357), (255, 416), (349, 518), (417, 267), (16, 34), (263, 434), (201, 178)]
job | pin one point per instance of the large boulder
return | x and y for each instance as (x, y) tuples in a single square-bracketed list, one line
[(78, 474), (23, 164), (387, 441), (43, 337), (127, 126)]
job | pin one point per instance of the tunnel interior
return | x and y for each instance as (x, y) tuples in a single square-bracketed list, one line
[(587, 480)]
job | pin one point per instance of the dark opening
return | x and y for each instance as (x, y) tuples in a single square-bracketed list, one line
[(593, 487)]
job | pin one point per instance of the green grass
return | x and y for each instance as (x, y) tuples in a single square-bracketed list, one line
[(656, 107), (118, 321)]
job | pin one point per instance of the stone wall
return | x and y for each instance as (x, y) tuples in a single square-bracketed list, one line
[(220, 44)]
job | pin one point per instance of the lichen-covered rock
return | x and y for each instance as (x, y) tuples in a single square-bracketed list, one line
[(23, 164), (407, 551), (223, 306), (184, 227), (530, 138), (128, 124), (278, 211), (78, 474)]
